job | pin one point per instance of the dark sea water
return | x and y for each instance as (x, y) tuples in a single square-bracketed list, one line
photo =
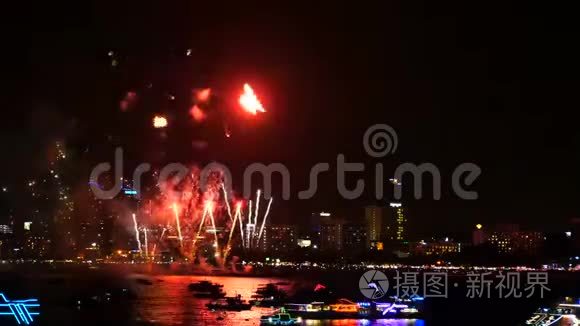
[(167, 301)]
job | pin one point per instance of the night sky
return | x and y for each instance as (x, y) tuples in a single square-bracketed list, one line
[(494, 85)]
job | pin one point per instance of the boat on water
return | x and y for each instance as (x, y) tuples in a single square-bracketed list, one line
[(204, 286), (206, 289), (565, 313), (209, 295), (282, 317), (230, 304), (269, 295), (346, 309)]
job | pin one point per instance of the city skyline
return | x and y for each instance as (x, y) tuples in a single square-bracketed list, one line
[(321, 99)]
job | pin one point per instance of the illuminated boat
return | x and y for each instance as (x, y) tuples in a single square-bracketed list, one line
[(281, 318), (346, 309), (565, 313)]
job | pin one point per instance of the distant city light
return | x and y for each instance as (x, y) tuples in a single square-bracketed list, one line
[(395, 181), (304, 243), (130, 192), (324, 214), (5, 229), (478, 226), (27, 226), (568, 234), (395, 204)]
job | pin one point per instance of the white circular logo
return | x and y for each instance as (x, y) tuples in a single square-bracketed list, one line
[(373, 284)]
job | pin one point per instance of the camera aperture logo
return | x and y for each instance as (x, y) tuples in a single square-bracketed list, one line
[(373, 284)]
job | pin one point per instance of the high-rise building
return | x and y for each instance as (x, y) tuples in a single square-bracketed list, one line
[(479, 235), (277, 238), (508, 239), (399, 223), (435, 248), (524, 242), (249, 234), (331, 236), (374, 224), (354, 238), (312, 232)]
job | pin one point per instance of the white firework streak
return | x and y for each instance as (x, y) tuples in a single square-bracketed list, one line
[(161, 237), (228, 246), (178, 225), (199, 229), (137, 232), (146, 243), (265, 217), (214, 231), (250, 212), (258, 193), (227, 201), (241, 228), (230, 236)]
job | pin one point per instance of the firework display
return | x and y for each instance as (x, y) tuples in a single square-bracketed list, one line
[(182, 218), (201, 222)]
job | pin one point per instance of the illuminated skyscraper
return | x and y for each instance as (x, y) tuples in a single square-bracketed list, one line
[(397, 222), (400, 222), (250, 236), (354, 238), (374, 224), (278, 239), (331, 236)]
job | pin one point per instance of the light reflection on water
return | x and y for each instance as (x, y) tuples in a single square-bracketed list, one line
[(168, 302)]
